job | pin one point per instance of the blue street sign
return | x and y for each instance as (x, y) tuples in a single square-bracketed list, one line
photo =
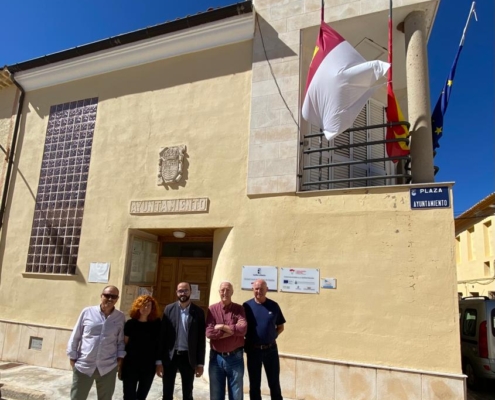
[(430, 197)]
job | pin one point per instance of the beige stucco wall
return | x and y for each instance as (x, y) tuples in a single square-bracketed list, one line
[(395, 270), (8, 110), (475, 266), (395, 303), (201, 100)]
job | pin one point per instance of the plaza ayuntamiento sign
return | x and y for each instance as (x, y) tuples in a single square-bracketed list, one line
[(430, 197)]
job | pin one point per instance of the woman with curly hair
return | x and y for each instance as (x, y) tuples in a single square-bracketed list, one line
[(141, 333)]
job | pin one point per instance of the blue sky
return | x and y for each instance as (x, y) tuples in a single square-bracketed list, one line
[(466, 155)]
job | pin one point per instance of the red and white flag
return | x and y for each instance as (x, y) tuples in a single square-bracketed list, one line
[(340, 82)]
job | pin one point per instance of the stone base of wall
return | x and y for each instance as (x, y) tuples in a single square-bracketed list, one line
[(17, 345), (301, 377), (310, 379)]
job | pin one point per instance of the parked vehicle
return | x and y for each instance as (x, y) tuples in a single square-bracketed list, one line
[(477, 324)]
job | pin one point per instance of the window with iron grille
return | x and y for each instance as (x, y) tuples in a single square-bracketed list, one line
[(373, 113), (59, 209)]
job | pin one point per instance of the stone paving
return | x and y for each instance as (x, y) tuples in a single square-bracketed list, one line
[(38, 383)]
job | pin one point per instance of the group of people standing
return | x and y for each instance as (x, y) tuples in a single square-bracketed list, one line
[(103, 346)]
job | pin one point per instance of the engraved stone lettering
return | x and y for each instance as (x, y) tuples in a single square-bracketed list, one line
[(169, 206)]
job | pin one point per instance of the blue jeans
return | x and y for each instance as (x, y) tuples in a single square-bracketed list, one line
[(230, 368), (256, 358)]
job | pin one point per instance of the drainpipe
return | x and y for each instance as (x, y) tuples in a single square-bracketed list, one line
[(11, 154)]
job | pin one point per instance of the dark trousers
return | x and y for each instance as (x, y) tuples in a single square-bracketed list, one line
[(136, 381), (256, 358), (180, 363)]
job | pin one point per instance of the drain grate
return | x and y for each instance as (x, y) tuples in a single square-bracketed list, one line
[(9, 365)]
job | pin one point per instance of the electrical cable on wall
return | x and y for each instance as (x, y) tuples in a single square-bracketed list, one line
[(300, 161)]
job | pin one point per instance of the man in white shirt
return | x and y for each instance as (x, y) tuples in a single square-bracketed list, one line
[(96, 347)]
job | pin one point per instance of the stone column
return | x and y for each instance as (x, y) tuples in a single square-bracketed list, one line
[(418, 98)]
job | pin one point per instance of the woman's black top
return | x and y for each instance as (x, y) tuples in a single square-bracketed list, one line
[(142, 347)]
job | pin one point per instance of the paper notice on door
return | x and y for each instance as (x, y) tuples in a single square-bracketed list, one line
[(145, 291), (195, 292), (128, 297)]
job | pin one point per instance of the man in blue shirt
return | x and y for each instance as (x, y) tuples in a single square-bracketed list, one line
[(96, 347), (265, 322)]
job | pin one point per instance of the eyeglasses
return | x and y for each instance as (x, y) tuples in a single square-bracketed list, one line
[(183, 291), (110, 296)]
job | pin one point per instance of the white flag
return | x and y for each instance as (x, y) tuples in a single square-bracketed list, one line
[(340, 82)]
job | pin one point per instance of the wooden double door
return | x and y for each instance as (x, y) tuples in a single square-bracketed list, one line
[(172, 271)]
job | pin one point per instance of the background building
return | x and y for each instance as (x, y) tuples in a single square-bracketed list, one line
[(475, 241), (215, 98)]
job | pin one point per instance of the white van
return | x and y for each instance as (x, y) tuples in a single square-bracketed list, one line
[(477, 323)]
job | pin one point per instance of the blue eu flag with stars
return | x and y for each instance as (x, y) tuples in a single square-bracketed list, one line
[(442, 103)]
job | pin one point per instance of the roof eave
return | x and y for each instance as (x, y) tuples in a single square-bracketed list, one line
[(166, 28), (202, 37), (481, 210)]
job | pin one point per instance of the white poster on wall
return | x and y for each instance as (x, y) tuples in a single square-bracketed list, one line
[(300, 280), (98, 272), (251, 273)]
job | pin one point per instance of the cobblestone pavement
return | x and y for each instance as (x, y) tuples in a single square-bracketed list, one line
[(485, 392)]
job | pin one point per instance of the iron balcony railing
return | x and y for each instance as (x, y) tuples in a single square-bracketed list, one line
[(324, 169)]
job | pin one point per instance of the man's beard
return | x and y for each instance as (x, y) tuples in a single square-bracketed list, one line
[(184, 299)]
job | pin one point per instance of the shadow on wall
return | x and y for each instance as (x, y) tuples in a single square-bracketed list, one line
[(173, 73), (272, 47), (220, 237), (13, 179)]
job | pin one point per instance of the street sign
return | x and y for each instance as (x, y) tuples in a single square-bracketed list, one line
[(430, 197)]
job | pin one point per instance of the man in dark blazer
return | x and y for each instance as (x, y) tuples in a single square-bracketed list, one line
[(182, 344)]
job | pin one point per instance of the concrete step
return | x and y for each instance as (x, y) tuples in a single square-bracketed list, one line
[(13, 392)]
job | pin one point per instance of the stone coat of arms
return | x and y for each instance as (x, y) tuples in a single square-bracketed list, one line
[(170, 164)]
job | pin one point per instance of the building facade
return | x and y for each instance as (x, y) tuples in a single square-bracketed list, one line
[(195, 132), (475, 241)]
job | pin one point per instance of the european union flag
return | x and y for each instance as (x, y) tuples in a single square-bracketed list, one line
[(442, 103), (443, 100)]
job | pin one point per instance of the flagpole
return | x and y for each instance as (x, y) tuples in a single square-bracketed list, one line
[(471, 12), (389, 75), (323, 10)]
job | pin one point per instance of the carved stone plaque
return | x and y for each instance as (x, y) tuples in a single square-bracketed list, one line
[(173, 206), (170, 164)]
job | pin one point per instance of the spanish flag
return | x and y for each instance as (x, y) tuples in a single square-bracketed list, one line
[(394, 113), (340, 82)]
